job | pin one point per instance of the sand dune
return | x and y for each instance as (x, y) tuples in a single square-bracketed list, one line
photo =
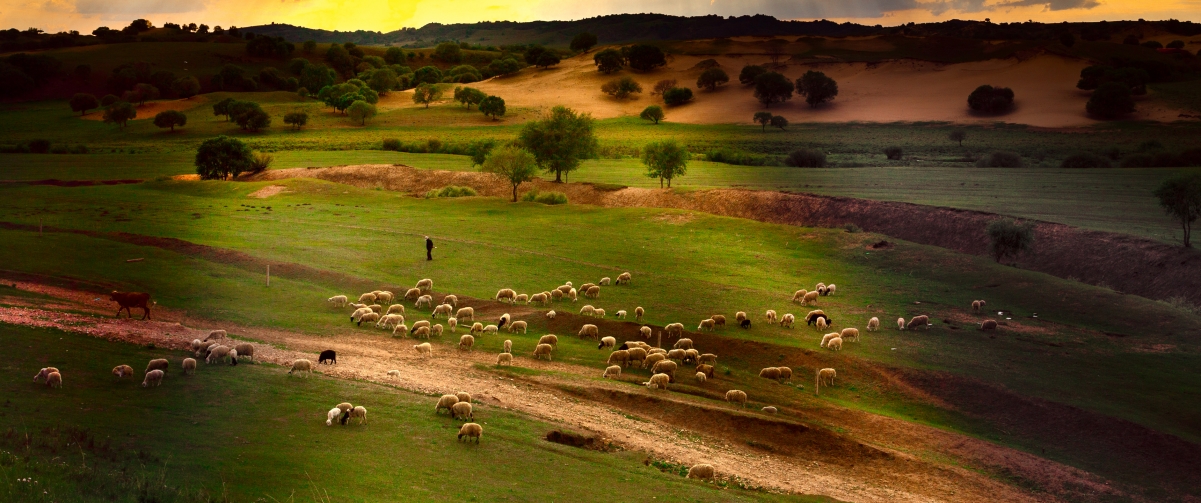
[(902, 90)]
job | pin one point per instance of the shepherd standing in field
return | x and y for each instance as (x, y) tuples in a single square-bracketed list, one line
[(429, 248)]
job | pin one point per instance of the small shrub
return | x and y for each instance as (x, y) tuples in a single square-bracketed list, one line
[(677, 96), (451, 191), (550, 198), (740, 158), (1000, 160), (894, 153), (1085, 160), (261, 162), (39, 146), (805, 158), (433, 145), (391, 144)]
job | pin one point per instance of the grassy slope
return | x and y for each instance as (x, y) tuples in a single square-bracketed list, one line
[(253, 431), (684, 272)]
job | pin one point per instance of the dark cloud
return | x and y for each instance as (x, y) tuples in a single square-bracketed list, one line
[(1052, 4), (138, 7)]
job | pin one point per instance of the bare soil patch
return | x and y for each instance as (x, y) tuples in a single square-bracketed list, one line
[(268, 191)]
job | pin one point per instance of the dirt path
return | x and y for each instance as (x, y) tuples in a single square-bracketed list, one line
[(889, 460)]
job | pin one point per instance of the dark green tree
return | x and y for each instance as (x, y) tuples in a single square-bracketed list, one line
[(492, 106), (677, 96), (1008, 238), (547, 60), (772, 87), (991, 100), (82, 102), (170, 119), (749, 73), (120, 112), (645, 57), (427, 75), (560, 140), (621, 88), (296, 119), (469, 96), (665, 160), (609, 61), (583, 42), (816, 87), (513, 164), (711, 78), (779, 121), (394, 56), (186, 87), (425, 94), (652, 113), (763, 118), (1180, 198), (222, 108), (361, 111), (222, 157), (448, 52), (1110, 101)]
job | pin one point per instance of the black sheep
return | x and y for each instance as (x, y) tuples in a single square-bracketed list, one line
[(345, 417), (623, 346), (328, 356), (746, 324)]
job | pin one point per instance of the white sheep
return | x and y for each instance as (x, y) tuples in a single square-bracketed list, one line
[(706, 325), (736, 396), (420, 323), (988, 325), (624, 278), (540, 298), (476, 328), (390, 321), (506, 295), (701, 471), (367, 298), (621, 314), (638, 312), (465, 314), (810, 299), (787, 320), (463, 396), (785, 373), (518, 325), (587, 310), (826, 338), (834, 344), (543, 350), (189, 366), (769, 410), (551, 339), (424, 300), (332, 415), (216, 335), (421, 332), (599, 313), (873, 324), (611, 371), (824, 376), (573, 295), (821, 324), (55, 379), (556, 295), (452, 323), (451, 299), (446, 402), (153, 378), (369, 318), (338, 300), (977, 305), (706, 359), (504, 359), (771, 316), (425, 285), (412, 294), (607, 342), (125, 370), (677, 354), (658, 381), (652, 358), (550, 315), (301, 366), (466, 342), (645, 331), (376, 308), (850, 333), (684, 343), (593, 292), (522, 299), (393, 373), (470, 430), (922, 321), (217, 353), (799, 295), (462, 410), (739, 316), (491, 329), (719, 321), (700, 377), (508, 346), (359, 313), (436, 330), (442, 310), (384, 297), (674, 330), (401, 329), (900, 323), (424, 349), (604, 281), (589, 330)]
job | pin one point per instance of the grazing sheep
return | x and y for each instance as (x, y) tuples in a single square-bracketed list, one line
[(573, 295), (357, 305), (216, 335), (344, 406), (645, 331), (424, 349), (119, 371), (604, 281), (705, 326), (830, 289), (810, 299), (390, 321), (850, 333), (465, 314), (771, 316), (658, 381), (584, 287), (504, 359), (436, 330), (153, 378), (587, 310), (873, 324), (463, 396), (589, 330), (401, 329), (705, 369), (988, 325), (522, 299), (338, 300), (834, 344), (550, 315), (701, 471), (453, 300), (691, 356), (359, 412), (442, 310), (683, 344), (491, 329), (824, 376), (820, 288), (466, 342), (396, 309), (384, 297), (461, 410), (701, 377), (54, 380), (506, 295), (977, 305), (551, 339), (665, 367), (412, 294), (739, 316), (477, 328), (470, 430), (719, 321), (769, 410), (556, 295), (676, 354), (821, 324), (369, 318), (745, 325), (539, 298), (607, 342), (611, 371), (453, 323), (598, 312), (197, 344), (518, 325), (638, 312), (736, 396), (393, 373), (826, 338), (565, 288), (331, 415), (329, 357), (787, 320), (772, 373), (376, 308), (189, 366), (900, 323), (446, 402), (813, 315), (301, 366), (543, 350), (653, 358), (619, 357), (425, 285), (367, 298), (157, 364), (799, 295), (508, 346), (621, 315), (359, 313), (708, 358), (785, 373), (424, 300), (918, 321), (421, 333), (637, 355), (624, 278), (674, 330), (593, 292)]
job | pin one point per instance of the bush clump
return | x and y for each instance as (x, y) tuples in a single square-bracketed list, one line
[(894, 153), (1000, 160), (552, 198), (991, 100), (391, 144), (39, 146), (805, 158), (1085, 160), (739, 157), (451, 191)]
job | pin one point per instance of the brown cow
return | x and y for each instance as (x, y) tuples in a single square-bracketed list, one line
[(129, 300)]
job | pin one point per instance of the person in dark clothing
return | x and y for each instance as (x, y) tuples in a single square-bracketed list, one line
[(429, 248)]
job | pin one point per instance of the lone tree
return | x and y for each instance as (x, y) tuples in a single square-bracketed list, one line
[(991, 100), (514, 164), (493, 106), (186, 87), (1110, 101), (957, 135), (296, 119), (170, 119), (547, 60), (711, 78), (469, 96), (1180, 197), (222, 157), (560, 140), (83, 102), (583, 42), (779, 121), (749, 73), (665, 160), (816, 87), (1009, 238), (652, 113), (621, 88), (773, 87), (609, 61), (677, 96), (763, 118), (425, 94), (120, 112), (360, 111)]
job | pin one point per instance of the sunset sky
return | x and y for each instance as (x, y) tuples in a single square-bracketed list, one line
[(388, 15)]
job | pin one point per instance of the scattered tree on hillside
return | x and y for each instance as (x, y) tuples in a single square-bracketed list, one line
[(816, 87), (547, 60), (957, 135), (309, 47), (779, 121), (141, 93), (763, 118), (425, 94), (339, 59), (677, 96), (621, 88), (532, 52), (82, 102), (448, 52), (186, 87), (991, 100), (504, 66), (1110, 101), (662, 86), (316, 77), (711, 78), (427, 75), (120, 112), (492, 106), (772, 87), (469, 96), (665, 160), (222, 108), (1180, 197), (1008, 238), (296, 119), (383, 80), (645, 57), (361, 111), (560, 140), (170, 119), (583, 42), (394, 56), (222, 157), (513, 164), (749, 73), (1091, 77), (609, 61), (652, 113)]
